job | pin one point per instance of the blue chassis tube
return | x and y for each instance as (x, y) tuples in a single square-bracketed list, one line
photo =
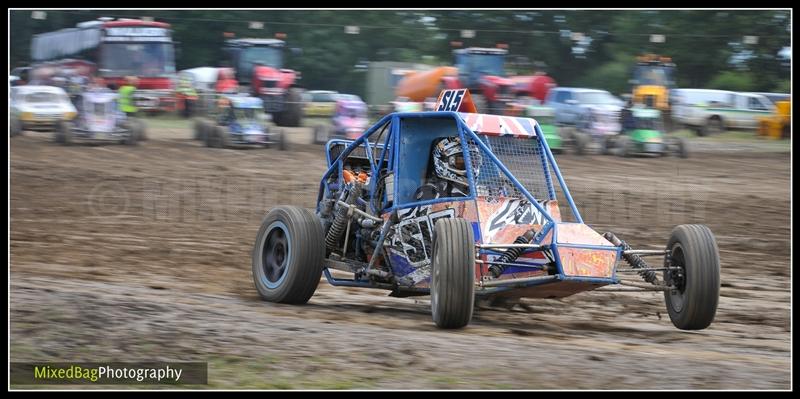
[(549, 161)]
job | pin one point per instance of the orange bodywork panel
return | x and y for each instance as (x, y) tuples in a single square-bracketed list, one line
[(418, 86)]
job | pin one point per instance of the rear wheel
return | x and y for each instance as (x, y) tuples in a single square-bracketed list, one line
[(714, 125), (692, 305), (142, 129), (287, 255), (210, 136), (581, 142), (222, 139), (283, 144), (16, 127), (198, 129), (481, 104), (292, 113), (495, 107), (606, 145), (680, 147), (666, 120), (624, 146), (133, 133), (64, 133), (453, 273), (320, 134), (188, 106)]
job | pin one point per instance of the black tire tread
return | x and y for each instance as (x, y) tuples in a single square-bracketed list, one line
[(221, 138), (456, 256), (306, 269), (701, 255)]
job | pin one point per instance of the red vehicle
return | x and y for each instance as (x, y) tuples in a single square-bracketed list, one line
[(535, 86), (118, 48), (259, 64)]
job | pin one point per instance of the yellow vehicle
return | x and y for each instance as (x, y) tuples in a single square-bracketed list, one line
[(779, 124), (653, 77), (320, 103)]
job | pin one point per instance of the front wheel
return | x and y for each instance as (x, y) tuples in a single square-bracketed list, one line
[(210, 136), (607, 144), (288, 255), (142, 127), (63, 134), (714, 125), (133, 134), (292, 114), (321, 134), (199, 129), (16, 127), (681, 147), (624, 146), (222, 137), (693, 252), (453, 273), (283, 144), (581, 142)]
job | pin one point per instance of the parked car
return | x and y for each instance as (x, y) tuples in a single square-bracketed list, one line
[(39, 108), (579, 107), (775, 97), (320, 103), (713, 111)]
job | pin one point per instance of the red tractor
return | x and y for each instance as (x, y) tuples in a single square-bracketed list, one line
[(534, 86), (259, 64)]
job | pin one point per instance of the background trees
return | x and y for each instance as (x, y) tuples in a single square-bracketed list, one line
[(585, 47)]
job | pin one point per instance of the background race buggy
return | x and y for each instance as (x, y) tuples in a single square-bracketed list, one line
[(348, 121), (645, 136), (101, 120), (238, 120)]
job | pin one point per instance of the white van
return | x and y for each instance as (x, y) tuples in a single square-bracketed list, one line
[(713, 111)]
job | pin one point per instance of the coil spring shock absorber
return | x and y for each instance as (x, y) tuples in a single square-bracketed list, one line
[(510, 254), (340, 221), (635, 261)]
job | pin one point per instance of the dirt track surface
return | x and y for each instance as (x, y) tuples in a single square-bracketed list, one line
[(143, 254)]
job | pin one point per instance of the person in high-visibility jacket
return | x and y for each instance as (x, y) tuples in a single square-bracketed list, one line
[(126, 103)]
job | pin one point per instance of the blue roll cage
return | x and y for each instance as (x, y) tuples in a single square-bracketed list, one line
[(548, 161)]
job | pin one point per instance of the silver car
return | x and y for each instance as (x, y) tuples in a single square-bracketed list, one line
[(38, 108)]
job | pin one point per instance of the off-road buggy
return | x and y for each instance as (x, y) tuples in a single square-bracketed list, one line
[(100, 119), (505, 237), (236, 121), (645, 137)]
